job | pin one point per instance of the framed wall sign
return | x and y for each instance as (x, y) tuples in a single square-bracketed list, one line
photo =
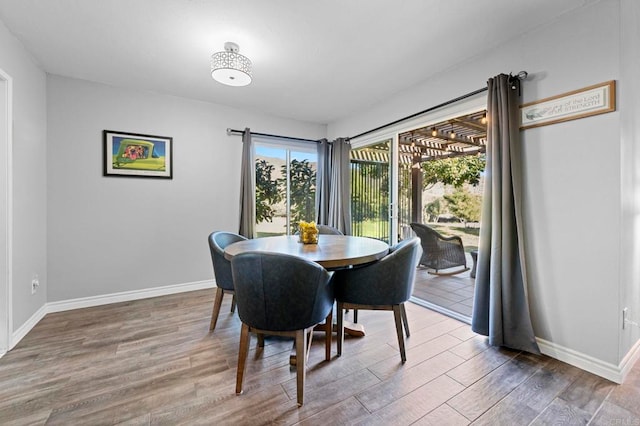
[(136, 155), (592, 100)]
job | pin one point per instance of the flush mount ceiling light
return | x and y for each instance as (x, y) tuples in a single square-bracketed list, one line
[(230, 67)]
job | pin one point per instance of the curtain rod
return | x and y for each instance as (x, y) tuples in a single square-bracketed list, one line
[(267, 135), (522, 75), (408, 117)]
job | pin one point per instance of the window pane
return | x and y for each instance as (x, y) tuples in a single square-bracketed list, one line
[(270, 192), (302, 187), (285, 188)]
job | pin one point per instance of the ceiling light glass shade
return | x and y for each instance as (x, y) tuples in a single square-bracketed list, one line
[(230, 67)]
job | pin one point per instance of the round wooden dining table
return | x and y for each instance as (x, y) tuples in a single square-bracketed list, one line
[(331, 251)]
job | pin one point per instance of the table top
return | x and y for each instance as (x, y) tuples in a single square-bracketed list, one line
[(332, 251)]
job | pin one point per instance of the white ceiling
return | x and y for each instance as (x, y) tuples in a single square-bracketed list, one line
[(315, 61)]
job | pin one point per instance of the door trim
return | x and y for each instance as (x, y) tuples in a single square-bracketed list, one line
[(6, 194)]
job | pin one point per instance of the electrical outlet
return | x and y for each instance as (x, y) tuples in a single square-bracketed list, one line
[(627, 320), (35, 283)]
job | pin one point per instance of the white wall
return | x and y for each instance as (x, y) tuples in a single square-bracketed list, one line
[(572, 176), (572, 203), (108, 234), (29, 176)]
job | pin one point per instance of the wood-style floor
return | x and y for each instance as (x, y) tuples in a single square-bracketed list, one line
[(154, 361)]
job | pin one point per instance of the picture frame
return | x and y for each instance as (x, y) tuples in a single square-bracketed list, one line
[(127, 154), (585, 102)]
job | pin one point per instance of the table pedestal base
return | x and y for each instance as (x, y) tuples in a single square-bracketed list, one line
[(351, 328)]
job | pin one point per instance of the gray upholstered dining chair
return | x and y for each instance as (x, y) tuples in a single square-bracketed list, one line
[(328, 230), (383, 285), (222, 271), (282, 295)]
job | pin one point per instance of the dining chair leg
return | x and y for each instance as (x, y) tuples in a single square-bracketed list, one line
[(260, 340), (301, 345), (328, 332), (217, 303), (242, 357), (340, 327), (404, 320), (233, 303), (397, 313), (309, 332), (355, 315)]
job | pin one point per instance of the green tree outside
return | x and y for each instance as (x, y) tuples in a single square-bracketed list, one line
[(464, 205), (455, 171), (268, 191), (434, 209), (302, 191)]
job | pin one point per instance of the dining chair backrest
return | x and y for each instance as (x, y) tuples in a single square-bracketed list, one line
[(280, 292), (328, 230), (386, 282), (222, 267)]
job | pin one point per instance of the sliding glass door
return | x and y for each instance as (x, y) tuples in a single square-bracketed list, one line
[(429, 173)]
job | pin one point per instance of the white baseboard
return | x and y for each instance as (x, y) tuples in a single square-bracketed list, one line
[(87, 302), (126, 296), (27, 326), (615, 373), (630, 359)]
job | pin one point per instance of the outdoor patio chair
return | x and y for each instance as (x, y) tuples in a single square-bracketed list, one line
[(440, 252)]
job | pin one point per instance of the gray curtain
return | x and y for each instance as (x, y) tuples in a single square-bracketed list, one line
[(247, 189), (333, 185), (501, 308), (339, 193), (323, 174)]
